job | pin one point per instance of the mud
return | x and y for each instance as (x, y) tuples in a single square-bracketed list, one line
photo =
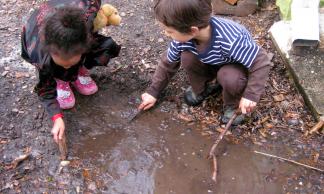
[(160, 151), (157, 153)]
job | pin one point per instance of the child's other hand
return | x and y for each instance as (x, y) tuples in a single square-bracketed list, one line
[(147, 101), (246, 105), (58, 129)]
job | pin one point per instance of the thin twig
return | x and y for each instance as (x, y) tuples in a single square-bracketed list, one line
[(288, 160)]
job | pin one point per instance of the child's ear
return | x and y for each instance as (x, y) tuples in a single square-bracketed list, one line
[(194, 30)]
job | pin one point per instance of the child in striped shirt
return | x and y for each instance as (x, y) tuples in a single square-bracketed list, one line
[(209, 48)]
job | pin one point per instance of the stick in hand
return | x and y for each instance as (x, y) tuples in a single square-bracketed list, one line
[(211, 154), (63, 147)]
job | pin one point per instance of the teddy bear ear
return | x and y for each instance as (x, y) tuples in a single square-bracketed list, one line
[(100, 21), (108, 9)]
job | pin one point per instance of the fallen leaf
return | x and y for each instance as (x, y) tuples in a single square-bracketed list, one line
[(19, 159), (279, 98), (185, 118), (268, 125), (263, 132), (86, 174), (232, 2)]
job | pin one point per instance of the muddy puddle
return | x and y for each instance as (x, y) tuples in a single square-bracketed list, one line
[(157, 153)]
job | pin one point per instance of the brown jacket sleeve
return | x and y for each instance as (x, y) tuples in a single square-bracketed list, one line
[(258, 75), (162, 75)]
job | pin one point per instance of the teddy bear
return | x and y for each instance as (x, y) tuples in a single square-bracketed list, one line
[(107, 15)]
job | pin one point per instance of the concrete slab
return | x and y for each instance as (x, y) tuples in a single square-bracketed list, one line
[(306, 66)]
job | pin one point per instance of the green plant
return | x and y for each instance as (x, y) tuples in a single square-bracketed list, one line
[(285, 8), (321, 3)]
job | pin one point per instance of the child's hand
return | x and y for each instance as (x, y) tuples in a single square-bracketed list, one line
[(246, 105), (58, 129), (147, 101)]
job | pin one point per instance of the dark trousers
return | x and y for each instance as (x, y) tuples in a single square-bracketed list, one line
[(232, 77)]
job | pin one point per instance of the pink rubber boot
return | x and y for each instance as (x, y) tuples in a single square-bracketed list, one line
[(84, 83), (65, 96)]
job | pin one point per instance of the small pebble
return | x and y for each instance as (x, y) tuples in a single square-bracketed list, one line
[(92, 186), (4, 73), (293, 122), (160, 40), (65, 163)]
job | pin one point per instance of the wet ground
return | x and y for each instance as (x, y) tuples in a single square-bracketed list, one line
[(163, 150), (155, 153)]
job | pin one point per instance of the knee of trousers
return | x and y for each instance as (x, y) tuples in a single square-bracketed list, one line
[(189, 61), (232, 82)]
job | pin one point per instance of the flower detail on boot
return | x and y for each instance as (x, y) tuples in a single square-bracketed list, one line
[(65, 96), (84, 80), (84, 83)]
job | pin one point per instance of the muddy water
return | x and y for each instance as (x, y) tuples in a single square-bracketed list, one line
[(156, 153)]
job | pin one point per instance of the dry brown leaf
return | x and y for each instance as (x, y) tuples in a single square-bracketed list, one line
[(19, 159), (185, 118), (86, 174), (263, 132), (279, 98), (292, 115), (232, 2), (268, 125), (316, 157)]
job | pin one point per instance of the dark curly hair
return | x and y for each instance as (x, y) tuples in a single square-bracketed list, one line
[(65, 32), (183, 14)]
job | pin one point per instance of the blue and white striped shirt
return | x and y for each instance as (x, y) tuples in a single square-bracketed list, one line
[(230, 43)]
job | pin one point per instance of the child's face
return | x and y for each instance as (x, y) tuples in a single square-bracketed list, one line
[(176, 35), (66, 62)]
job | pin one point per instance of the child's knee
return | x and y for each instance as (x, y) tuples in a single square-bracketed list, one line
[(193, 66), (188, 59), (232, 80)]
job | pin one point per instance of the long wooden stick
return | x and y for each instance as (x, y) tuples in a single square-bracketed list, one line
[(212, 155), (220, 137), (288, 160)]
